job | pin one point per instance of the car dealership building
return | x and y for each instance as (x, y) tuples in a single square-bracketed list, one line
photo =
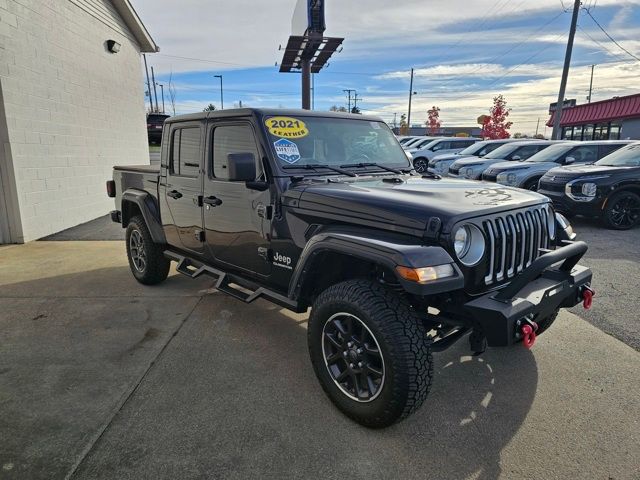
[(615, 119), (71, 107)]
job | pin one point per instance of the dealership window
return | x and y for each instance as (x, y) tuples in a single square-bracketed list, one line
[(587, 132), (601, 131), (567, 133), (614, 131), (577, 132)]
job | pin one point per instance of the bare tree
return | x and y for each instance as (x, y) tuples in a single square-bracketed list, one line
[(172, 94)]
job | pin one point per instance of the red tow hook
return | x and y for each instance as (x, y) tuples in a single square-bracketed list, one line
[(587, 297), (528, 332)]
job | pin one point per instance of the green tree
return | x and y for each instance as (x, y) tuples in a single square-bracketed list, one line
[(209, 108), (335, 108), (404, 127)]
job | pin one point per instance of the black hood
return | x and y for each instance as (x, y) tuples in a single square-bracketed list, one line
[(410, 203), (571, 172)]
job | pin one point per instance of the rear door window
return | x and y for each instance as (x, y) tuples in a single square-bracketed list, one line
[(185, 152)]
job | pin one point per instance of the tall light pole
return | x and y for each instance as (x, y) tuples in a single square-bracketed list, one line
[(221, 92), (591, 84), (557, 133), (162, 90), (155, 91), (411, 94)]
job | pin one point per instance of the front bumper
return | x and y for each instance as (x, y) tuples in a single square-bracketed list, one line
[(554, 280)]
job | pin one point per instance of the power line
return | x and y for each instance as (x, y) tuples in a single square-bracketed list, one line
[(609, 36)]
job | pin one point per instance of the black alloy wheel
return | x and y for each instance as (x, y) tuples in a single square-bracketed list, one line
[(622, 211), (353, 357), (420, 165)]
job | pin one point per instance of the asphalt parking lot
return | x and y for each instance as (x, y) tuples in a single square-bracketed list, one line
[(103, 378)]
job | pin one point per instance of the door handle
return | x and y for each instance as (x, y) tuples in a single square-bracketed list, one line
[(212, 201), (174, 194)]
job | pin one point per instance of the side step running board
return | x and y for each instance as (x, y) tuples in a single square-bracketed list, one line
[(225, 282)]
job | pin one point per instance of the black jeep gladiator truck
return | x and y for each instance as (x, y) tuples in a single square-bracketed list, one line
[(325, 211)]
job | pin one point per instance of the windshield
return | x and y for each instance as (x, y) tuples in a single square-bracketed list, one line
[(503, 151), (625, 157), (301, 140), (480, 149), (413, 141), (551, 154)]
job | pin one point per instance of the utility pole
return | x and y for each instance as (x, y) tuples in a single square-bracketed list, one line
[(395, 123), (146, 69), (162, 90), (221, 92), (537, 126), (355, 102), (410, 97), (155, 91), (591, 84), (565, 72), (313, 91), (349, 91)]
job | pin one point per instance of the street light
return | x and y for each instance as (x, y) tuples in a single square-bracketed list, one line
[(162, 90), (221, 94)]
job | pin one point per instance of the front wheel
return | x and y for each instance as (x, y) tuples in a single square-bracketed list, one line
[(420, 164), (532, 185), (370, 352), (622, 211)]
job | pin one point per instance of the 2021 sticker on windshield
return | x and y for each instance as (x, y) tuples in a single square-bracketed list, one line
[(286, 127), (287, 151)]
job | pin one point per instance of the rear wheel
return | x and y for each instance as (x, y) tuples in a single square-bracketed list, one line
[(421, 164), (622, 211), (370, 352), (146, 258)]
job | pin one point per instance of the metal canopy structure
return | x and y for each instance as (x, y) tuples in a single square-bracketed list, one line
[(314, 48), (308, 50)]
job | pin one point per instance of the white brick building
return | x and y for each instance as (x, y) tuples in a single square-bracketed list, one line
[(69, 110)]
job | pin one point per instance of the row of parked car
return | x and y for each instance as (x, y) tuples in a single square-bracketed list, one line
[(594, 178)]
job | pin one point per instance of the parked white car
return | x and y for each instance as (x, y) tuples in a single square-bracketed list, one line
[(440, 146)]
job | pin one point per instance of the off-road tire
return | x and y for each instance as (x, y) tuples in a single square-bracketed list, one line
[(613, 201), (156, 266), (403, 342), (421, 164), (546, 322)]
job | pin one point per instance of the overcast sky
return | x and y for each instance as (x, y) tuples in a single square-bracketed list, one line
[(464, 53)]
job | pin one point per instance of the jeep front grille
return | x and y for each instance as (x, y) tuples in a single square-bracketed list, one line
[(514, 242)]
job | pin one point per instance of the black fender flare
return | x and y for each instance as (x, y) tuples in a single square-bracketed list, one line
[(384, 250), (148, 206)]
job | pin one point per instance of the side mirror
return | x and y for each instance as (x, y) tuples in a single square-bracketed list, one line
[(516, 158), (569, 160), (242, 167)]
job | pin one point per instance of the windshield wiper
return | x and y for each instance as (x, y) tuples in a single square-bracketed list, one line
[(316, 166), (372, 164)]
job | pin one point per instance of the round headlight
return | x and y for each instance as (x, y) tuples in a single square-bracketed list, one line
[(469, 244), (461, 241)]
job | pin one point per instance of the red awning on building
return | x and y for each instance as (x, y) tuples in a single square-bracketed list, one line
[(599, 112)]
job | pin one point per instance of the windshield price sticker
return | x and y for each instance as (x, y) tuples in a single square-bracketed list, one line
[(286, 127), (287, 151)]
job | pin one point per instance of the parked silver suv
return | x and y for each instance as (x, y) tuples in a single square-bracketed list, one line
[(440, 164), (527, 174), (473, 168), (440, 146)]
